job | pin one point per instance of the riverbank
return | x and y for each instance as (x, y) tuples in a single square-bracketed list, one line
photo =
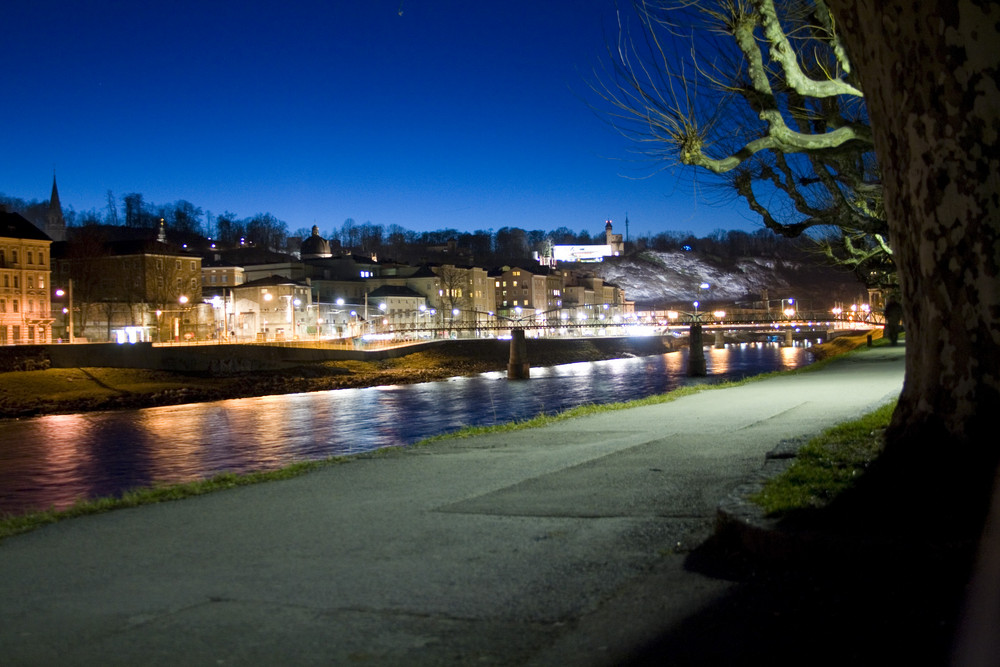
[(69, 390), (580, 523)]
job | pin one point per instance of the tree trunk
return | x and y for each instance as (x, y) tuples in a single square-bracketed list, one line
[(929, 71)]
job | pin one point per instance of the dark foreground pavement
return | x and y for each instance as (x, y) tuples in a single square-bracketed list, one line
[(588, 542)]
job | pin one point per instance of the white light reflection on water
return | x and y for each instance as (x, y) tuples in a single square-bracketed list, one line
[(52, 461)]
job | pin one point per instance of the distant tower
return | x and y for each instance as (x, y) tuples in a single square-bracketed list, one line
[(613, 240), (55, 224)]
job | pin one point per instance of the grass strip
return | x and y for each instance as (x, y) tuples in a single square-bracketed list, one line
[(15, 524), (826, 466)]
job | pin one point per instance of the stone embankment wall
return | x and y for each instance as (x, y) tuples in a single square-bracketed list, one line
[(235, 359)]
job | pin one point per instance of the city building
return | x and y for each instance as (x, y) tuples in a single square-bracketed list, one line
[(398, 309), (25, 271), (275, 308), (131, 291)]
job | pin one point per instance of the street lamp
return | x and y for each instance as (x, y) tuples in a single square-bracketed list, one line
[(789, 312), (68, 310)]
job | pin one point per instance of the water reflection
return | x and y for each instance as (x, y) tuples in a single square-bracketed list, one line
[(52, 461)]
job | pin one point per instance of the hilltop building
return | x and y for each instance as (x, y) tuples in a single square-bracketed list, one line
[(613, 246)]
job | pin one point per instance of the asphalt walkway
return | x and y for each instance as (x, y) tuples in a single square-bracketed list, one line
[(551, 546)]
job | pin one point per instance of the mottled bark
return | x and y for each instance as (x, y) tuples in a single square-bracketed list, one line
[(929, 71)]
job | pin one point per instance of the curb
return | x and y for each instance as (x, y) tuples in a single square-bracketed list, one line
[(743, 524)]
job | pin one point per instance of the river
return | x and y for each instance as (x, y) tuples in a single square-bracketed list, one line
[(53, 461)]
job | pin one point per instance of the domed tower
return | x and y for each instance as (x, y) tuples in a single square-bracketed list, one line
[(315, 247)]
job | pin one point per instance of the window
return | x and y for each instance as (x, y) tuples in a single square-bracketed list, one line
[(31, 258), (31, 281), (3, 305), (213, 278), (31, 305), (225, 278), (14, 304), (6, 281), (17, 281), (177, 264), (13, 256), (41, 258), (192, 265), (2, 258), (41, 282)]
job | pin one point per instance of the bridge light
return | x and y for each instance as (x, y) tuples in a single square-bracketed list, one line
[(719, 314)]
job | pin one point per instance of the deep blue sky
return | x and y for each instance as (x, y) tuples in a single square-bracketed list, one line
[(457, 113)]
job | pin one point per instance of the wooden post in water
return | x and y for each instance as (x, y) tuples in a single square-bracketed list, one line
[(696, 353), (517, 366)]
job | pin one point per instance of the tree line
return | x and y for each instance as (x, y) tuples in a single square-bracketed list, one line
[(184, 219)]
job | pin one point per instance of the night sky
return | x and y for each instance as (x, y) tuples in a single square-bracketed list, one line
[(454, 114)]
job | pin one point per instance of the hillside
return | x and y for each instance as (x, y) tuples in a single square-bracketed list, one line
[(660, 279)]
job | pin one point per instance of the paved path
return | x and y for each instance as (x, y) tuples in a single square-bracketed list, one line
[(558, 545)]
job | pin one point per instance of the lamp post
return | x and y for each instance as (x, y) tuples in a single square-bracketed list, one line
[(68, 310), (177, 320)]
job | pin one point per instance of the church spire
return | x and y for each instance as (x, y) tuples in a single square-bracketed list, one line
[(55, 224)]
